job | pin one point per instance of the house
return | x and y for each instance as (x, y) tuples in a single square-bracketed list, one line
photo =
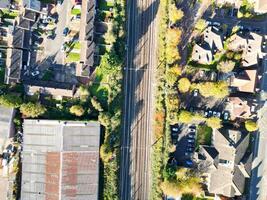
[(7, 129), (4, 4), (250, 44), (244, 81), (13, 66), (56, 89), (60, 160), (227, 163), (33, 5), (240, 107), (212, 42), (261, 6), (83, 69)]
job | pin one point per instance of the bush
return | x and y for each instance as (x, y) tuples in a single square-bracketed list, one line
[(175, 14), (187, 117), (10, 100), (251, 126), (32, 110), (226, 66), (83, 93), (184, 85), (214, 122), (172, 75), (96, 104), (77, 110), (200, 25), (173, 38)]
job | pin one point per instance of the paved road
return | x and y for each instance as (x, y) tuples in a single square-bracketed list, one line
[(137, 111)]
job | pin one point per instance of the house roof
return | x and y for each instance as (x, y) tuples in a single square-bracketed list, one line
[(34, 5), (238, 108), (261, 6), (6, 121), (201, 54), (13, 66), (264, 75), (230, 147), (29, 15), (50, 87), (245, 81), (60, 160), (16, 37), (4, 3), (213, 38), (23, 23)]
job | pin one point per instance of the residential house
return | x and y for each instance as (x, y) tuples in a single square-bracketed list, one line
[(34, 5), (250, 44), (83, 69), (7, 129), (227, 163), (56, 89), (240, 107), (261, 6), (211, 42), (13, 66), (60, 160), (244, 81)]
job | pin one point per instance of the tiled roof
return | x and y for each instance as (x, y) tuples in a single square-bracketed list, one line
[(13, 66), (245, 81)]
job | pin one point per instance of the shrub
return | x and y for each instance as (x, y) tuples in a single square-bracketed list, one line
[(214, 122), (184, 85), (175, 14), (32, 110), (77, 110), (251, 126), (200, 25), (226, 66), (212, 89), (10, 100), (96, 104)]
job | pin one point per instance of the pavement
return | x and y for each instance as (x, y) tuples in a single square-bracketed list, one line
[(258, 182), (138, 103)]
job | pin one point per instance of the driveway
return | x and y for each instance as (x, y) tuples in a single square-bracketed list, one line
[(52, 46)]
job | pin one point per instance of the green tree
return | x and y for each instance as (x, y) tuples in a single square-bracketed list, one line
[(251, 126), (175, 14), (172, 39), (214, 122), (32, 109), (77, 110), (226, 66), (212, 89), (83, 92), (172, 74), (10, 100), (200, 25), (96, 104), (184, 85)]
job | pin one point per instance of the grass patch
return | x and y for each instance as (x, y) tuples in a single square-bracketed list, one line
[(76, 11), (105, 5), (73, 57), (204, 135)]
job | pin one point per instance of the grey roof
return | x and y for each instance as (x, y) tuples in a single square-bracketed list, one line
[(6, 124), (229, 158), (264, 75), (23, 23), (4, 3), (29, 14), (32, 4), (13, 66), (17, 37), (60, 160)]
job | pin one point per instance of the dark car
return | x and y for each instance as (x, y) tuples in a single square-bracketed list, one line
[(66, 31)]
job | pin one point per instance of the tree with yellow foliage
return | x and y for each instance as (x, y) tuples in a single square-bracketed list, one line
[(175, 14)]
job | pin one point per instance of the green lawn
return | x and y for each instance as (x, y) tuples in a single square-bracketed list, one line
[(105, 5), (204, 135), (76, 11), (73, 57)]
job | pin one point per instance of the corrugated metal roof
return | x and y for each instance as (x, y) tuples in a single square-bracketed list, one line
[(60, 160)]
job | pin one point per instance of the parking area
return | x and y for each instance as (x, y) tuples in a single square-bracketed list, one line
[(184, 137), (49, 46)]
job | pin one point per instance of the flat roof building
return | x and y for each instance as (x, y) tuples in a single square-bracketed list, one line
[(60, 160)]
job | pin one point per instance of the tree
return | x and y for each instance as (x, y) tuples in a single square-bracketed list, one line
[(77, 110), (226, 66), (214, 122), (185, 117), (173, 39), (172, 74), (83, 93), (32, 109), (200, 25), (184, 85), (96, 104), (175, 14), (212, 89), (251, 126), (10, 100)]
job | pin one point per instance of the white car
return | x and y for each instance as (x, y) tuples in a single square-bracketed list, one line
[(35, 73)]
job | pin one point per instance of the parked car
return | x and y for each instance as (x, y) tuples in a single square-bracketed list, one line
[(35, 73), (59, 2), (189, 162), (174, 128), (226, 116), (191, 136), (193, 130), (216, 24), (66, 31), (190, 149), (190, 145), (195, 92), (191, 140)]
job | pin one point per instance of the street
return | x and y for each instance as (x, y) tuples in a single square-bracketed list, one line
[(138, 102)]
